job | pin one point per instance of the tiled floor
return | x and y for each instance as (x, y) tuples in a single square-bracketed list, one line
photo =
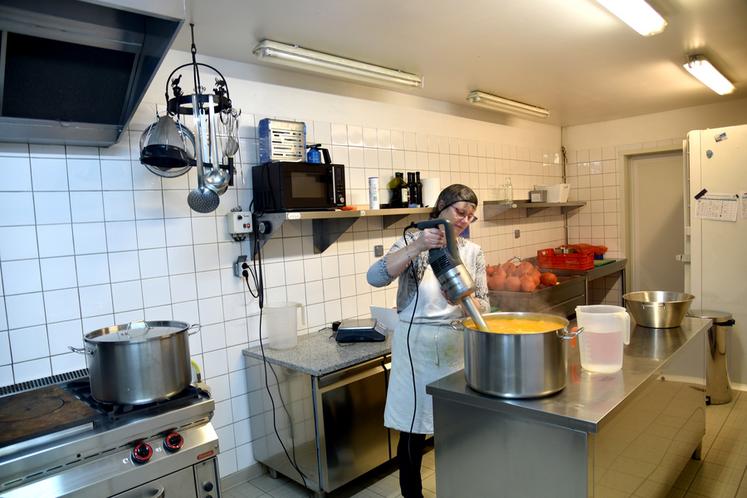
[(720, 473)]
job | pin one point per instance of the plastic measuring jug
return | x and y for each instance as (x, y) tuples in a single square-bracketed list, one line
[(605, 330), (280, 324)]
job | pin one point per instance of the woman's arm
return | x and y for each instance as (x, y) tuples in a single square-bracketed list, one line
[(399, 257)]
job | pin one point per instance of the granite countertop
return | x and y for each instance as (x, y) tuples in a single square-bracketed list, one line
[(589, 399), (318, 353)]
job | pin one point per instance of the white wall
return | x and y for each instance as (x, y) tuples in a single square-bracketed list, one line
[(90, 238), (596, 171)]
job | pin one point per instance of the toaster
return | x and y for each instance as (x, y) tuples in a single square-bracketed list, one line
[(281, 140)]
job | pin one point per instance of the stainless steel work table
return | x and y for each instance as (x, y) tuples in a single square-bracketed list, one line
[(328, 406), (604, 434)]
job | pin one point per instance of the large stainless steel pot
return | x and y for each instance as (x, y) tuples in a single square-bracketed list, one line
[(517, 365), (138, 362)]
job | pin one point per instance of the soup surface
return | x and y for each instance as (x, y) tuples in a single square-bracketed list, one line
[(501, 325)]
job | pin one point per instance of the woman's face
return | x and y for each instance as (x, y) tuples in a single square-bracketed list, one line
[(460, 214)]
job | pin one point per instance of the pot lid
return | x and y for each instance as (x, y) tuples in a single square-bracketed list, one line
[(137, 331), (716, 316)]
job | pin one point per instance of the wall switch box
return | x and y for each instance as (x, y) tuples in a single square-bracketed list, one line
[(239, 223)]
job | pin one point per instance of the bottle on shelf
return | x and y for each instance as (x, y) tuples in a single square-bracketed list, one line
[(418, 189), (395, 187), (508, 192), (412, 191)]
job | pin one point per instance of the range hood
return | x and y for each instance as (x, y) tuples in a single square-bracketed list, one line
[(74, 71)]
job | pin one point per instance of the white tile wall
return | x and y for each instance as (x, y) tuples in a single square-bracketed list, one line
[(89, 238)]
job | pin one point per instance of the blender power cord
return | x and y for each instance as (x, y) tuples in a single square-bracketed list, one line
[(258, 277), (414, 272)]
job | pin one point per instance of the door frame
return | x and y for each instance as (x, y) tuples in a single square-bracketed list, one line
[(625, 158)]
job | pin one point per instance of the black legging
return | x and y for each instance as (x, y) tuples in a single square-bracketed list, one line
[(409, 459)]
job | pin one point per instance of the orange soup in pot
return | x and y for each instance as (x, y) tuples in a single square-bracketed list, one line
[(505, 325)]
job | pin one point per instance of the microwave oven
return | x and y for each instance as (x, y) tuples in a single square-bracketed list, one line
[(298, 186)]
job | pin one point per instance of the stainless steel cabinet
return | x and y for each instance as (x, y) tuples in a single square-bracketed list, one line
[(354, 439), (332, 426)]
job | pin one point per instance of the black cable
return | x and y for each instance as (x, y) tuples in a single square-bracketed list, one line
[(414, 271), (257, 258)]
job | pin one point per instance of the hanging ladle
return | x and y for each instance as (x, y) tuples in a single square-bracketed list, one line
[(202, 199)]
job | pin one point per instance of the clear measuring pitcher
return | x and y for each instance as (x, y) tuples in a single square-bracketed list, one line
[(605, 330), (280, 324)]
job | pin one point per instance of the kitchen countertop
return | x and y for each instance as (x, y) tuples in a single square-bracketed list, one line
[(318, 353), (589, 399), (614, 266)]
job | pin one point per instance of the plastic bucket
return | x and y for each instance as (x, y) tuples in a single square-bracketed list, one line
[(605, 330), (280, 324)]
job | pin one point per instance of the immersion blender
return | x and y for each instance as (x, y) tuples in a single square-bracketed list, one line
[(455, 280)]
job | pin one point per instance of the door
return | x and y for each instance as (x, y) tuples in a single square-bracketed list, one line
[(718, 160), (655, 201)]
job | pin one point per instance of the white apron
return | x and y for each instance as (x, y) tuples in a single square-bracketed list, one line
[(437, 351)]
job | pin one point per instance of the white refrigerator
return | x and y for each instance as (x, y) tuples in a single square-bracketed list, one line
[(717, 242)]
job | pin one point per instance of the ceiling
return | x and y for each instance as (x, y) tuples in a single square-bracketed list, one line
[(569, 56)]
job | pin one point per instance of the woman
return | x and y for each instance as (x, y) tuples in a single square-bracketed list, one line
[(436, 348)]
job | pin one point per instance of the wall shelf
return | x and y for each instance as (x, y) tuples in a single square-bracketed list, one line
[(327, 226), (492, 209)]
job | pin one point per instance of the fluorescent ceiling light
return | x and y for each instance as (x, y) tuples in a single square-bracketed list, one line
[(637, 14), (496, 103), (332, 65), (703, 70)]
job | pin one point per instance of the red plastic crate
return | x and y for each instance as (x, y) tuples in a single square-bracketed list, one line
[(546, 258)]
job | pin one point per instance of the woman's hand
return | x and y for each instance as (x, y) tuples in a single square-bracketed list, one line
[(432, 238)]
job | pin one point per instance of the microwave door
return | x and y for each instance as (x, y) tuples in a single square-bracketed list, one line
[(308, 188)]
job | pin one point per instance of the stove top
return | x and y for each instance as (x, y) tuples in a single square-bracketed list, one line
[(57, 408), (60, 426)]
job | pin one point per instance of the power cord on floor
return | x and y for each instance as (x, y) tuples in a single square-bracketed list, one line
[(257, 274)]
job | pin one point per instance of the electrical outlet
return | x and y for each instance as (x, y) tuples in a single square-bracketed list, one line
[(378, 250), (517, 233), (237, 269)]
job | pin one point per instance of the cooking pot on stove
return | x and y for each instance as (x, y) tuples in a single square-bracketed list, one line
[(138, 362), (517, 365)]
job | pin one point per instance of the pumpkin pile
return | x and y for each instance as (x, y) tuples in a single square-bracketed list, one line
[(518, 276)]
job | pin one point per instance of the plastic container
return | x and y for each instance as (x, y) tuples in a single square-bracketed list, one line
[(605, 330), (556, 193), (373, 192), (280, 324), (547, 258)]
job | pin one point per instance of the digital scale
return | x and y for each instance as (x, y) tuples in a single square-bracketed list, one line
[(360, 330)]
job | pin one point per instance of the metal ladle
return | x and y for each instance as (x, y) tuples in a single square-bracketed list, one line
[(216, 179), (202, 199)]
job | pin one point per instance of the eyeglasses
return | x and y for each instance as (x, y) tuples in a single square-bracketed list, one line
[(461, 213)]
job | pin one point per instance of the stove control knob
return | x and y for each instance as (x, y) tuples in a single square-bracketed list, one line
[(173, 442), (142, 452), (207, 486)]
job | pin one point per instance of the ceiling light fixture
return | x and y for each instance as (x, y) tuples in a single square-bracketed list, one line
[(637, 14), (496, 103), (703, 70), (332, 65)]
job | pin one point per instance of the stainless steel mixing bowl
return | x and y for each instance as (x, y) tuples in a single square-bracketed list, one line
[(658, 309)]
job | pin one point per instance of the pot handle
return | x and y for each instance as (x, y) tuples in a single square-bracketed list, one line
[(80, 350), (194, 328), (456, 325), (566, 334)]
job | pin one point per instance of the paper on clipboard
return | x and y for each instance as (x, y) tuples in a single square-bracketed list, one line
[(718, 207)]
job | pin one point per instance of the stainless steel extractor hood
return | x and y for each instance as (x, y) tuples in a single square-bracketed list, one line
[(74, 71)]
